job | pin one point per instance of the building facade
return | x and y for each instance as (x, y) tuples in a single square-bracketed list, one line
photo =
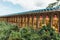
[(36, 18)]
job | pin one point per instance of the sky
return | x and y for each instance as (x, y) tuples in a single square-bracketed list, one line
[(16, 6)]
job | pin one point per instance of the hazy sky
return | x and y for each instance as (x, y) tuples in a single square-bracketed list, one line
[(16, 6)]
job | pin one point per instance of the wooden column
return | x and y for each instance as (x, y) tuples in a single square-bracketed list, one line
[(59, 21)]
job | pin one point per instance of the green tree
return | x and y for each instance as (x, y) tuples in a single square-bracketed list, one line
[(51, 5)]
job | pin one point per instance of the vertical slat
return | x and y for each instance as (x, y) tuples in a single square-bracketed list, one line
[(55, 26), (40, 21), (59, 21)]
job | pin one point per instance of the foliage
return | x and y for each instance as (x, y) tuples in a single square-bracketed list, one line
[(48, 33), (5, 30), (55, 4), (12, 32), (27, 33), (51, 5)]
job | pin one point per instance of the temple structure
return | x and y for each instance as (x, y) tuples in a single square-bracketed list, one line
[(35, 18)]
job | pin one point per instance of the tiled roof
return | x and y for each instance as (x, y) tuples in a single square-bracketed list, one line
[(37, 11)]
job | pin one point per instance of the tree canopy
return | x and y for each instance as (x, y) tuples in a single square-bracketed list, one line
[(55, 4)]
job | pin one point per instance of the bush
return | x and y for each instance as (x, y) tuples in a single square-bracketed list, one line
[(12, 32), (5, 30)]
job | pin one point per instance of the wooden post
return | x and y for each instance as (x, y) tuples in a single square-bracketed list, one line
[(59, 21)]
